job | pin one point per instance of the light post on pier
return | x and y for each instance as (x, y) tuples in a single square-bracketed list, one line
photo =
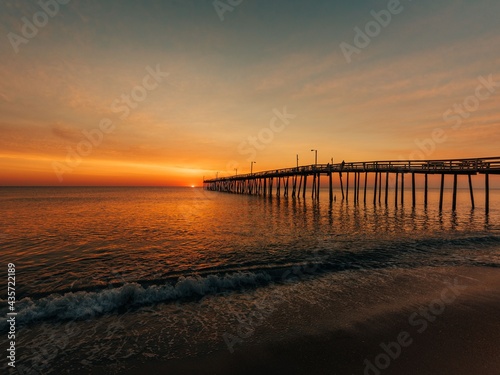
[(297, 161), (315, 156), (236, 171), (251, 166)]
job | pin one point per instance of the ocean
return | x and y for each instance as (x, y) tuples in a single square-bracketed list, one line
[(112, 278)]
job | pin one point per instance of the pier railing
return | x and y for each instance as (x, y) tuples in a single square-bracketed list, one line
[(446, 166)]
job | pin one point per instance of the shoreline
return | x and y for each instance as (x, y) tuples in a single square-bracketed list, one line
[(461, 339)]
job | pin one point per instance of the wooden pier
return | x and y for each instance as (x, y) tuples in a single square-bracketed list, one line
[(293, 181)]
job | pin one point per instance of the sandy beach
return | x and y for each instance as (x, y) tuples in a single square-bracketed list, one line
[(459, 336)]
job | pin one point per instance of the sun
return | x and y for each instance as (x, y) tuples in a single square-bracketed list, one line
[(192, 186)]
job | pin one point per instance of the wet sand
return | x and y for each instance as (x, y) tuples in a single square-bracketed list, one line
[(450, 336)]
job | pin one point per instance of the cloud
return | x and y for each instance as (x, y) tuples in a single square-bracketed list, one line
[(66, 132)]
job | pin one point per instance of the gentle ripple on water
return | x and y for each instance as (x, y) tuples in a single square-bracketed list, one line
[(76, 238)]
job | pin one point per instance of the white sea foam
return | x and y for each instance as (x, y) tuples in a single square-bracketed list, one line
[(84, 305)]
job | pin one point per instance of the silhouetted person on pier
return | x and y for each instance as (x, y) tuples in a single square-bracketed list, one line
[(342, 165)]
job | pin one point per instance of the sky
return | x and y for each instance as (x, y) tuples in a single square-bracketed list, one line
[(168, 92)]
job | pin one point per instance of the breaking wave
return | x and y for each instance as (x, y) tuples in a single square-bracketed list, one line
[(84, 305)]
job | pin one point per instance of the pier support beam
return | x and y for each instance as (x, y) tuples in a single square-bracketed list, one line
[(487, 192), (402, 189), (426, 188), (380, 188), (471, 192), (355, 186), (375, 189), (330, 185), (341, 185), (396, 190), (366, 182), (413, 198), (441, 192), (313, 191), (359, 178), (304, 187), (347, 188), (318, 185), (386, 188), (455, 183)]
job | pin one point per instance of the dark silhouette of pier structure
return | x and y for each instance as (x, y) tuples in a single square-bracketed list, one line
[(293, 181)]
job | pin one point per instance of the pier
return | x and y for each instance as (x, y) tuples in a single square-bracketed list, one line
[(353, 178)]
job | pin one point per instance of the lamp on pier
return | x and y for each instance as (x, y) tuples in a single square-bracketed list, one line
[(315, 156), (251, 166)]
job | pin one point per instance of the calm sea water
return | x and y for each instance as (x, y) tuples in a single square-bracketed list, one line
[(184, 259)]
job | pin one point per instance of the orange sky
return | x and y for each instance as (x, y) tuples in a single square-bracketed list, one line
[(164, 94)]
